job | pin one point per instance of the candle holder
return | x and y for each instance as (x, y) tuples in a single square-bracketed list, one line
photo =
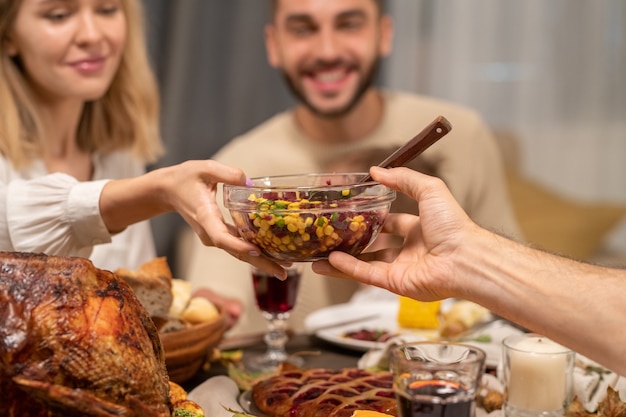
[(537, 376)]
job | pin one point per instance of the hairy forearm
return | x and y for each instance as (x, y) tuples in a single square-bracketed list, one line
[(579, 305)]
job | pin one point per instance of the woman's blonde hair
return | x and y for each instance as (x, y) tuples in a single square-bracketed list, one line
[(125, 117)]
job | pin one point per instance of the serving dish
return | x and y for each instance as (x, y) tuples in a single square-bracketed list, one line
[(332, 323), (212, 394), (245, 401), (302, 218)]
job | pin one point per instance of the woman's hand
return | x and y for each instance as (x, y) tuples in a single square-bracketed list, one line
[(190, 189), (194, 190)]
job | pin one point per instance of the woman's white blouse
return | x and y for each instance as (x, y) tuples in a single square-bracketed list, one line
[(58, 215)]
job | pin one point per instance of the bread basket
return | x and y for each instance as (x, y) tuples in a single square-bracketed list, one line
[(187, 349)]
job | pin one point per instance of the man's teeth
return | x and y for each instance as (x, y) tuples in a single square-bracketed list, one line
[(329, 77)]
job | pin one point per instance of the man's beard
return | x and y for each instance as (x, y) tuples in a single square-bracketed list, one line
[(366, 82)]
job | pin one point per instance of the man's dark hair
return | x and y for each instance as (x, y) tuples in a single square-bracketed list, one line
[(274, 6)]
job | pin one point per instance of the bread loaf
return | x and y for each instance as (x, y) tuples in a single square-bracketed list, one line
[(168, 300), (152, 285), (200, 310)]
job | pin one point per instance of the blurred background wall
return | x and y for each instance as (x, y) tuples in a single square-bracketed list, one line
[(549, 73)]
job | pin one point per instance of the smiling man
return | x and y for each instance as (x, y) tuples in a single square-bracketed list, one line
[(328, 52)]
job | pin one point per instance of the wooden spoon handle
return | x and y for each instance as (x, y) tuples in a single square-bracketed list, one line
[(437, 129)]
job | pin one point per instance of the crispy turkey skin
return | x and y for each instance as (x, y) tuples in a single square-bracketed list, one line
[(75, 341)]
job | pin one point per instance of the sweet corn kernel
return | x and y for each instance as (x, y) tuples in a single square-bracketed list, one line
[(304, 233)]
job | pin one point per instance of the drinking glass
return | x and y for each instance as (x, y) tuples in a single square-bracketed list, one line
[(437, 379), (275, 299)]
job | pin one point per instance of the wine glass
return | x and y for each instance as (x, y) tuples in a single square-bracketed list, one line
[(275, 299)]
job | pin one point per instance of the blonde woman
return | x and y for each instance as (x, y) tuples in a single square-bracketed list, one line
[(78, 122)]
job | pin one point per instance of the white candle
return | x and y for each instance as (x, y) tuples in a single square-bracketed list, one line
[(538, 374)]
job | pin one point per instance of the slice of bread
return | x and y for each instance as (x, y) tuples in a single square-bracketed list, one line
[(181, 290), (152, 284)]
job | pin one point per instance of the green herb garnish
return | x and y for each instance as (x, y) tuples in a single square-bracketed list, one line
[(181, 412)]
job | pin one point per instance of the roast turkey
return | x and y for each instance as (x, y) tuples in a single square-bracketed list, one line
[(74, 341)]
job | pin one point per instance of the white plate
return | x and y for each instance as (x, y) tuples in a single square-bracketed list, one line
[(385, 319)]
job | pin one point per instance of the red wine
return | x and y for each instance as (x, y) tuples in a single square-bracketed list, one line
[(273, 295), (455, 401)]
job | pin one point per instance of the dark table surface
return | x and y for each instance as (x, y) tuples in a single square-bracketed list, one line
[(316, 353)]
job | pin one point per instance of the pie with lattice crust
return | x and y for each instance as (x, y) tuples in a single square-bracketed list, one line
[(324, 393)]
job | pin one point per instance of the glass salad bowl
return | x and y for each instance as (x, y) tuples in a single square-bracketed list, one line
[(302, 218)]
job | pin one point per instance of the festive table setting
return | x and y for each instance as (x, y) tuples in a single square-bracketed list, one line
[(218, 389), (393, 356)]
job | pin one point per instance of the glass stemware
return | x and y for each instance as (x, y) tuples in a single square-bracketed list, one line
[(275, 299)]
